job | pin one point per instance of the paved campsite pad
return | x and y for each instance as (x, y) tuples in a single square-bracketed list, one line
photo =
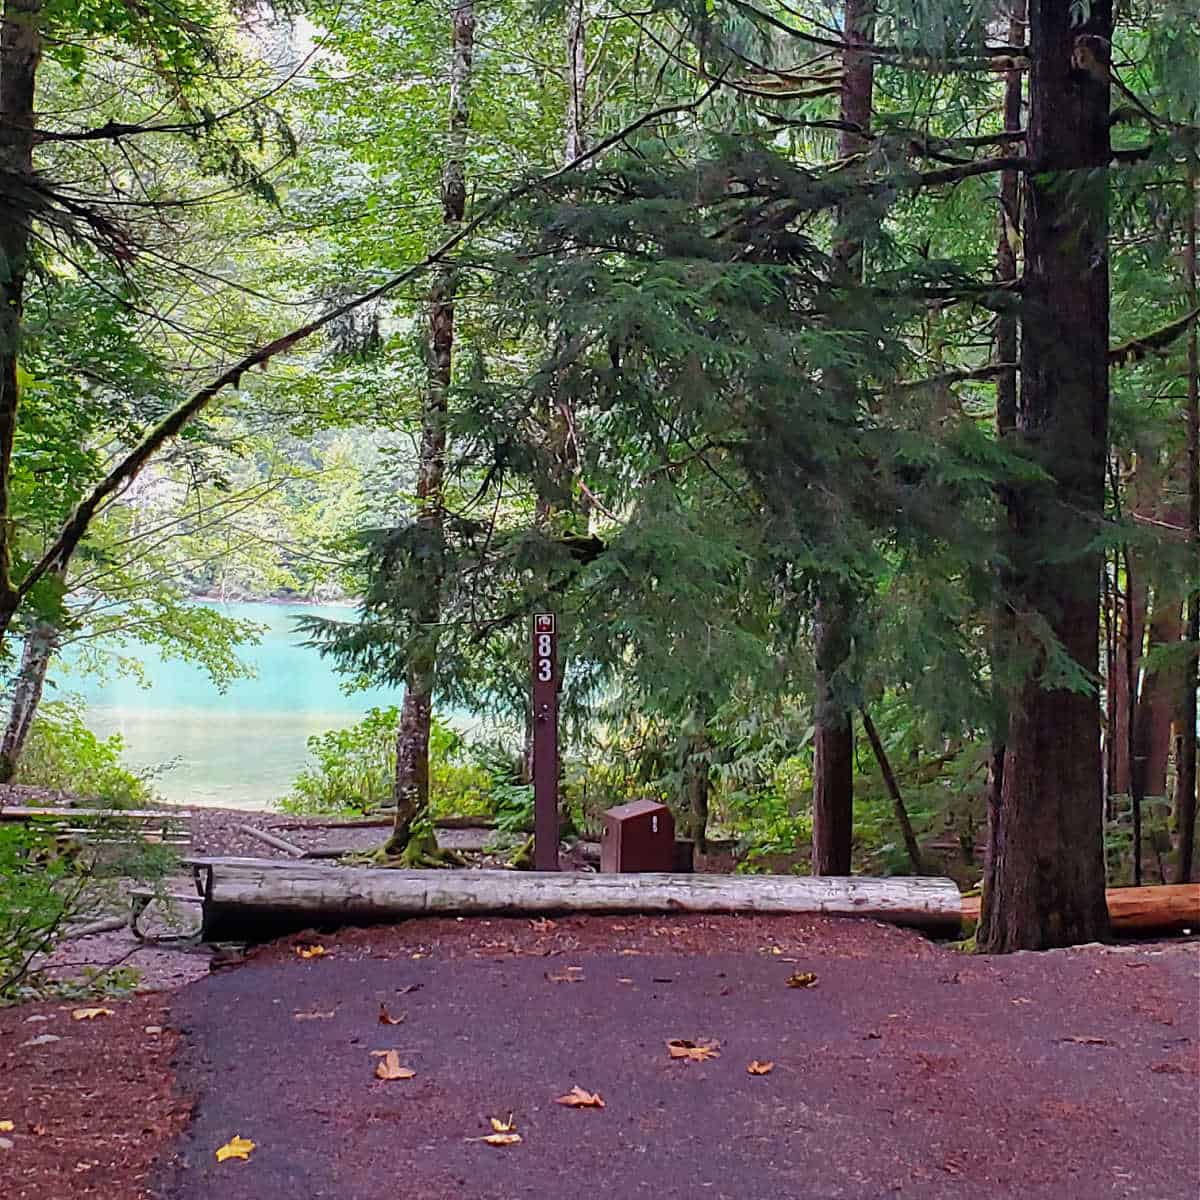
[(907, 1070)]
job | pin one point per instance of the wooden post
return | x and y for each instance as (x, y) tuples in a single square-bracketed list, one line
[(545, 742)]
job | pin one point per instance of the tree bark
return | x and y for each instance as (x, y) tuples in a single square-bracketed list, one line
[(1046, 882), (1159, 700), (411, 790), (833, 736), (1007, 349), (697, 771), (40, 644), (20, 55), (1185, 775)]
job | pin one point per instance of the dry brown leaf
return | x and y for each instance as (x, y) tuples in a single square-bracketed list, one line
[(6, 1127), (542, 924), (760, 1068), (499, 1139), (1087, 1041), (386, 1018), (236, 1147), (90, 1014), (313, 1016), (315, 951), (693, 1051), (570, 975), (388, 1067), (502, 1126), (802, 979), (578, 1098)]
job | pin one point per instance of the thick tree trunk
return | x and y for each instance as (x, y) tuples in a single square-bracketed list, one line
[(20, 55), (40, 644), (412, 739), (833, 737), (1007, 349), (1185, 775), (1046, 883)]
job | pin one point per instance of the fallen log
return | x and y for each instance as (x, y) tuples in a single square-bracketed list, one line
[(247, 899), (1165, 908), (273, 840)]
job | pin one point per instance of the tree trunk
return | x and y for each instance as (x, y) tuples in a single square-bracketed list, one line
[(697, 770), (411, 791), (1159, 701), (20, 54), (1007, 349), (1123, 689), (1046, 882), (1185, 774), (893, 788), (833, 737), (40, 644)]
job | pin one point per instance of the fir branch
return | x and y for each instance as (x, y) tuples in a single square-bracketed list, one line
[(1157, 340)]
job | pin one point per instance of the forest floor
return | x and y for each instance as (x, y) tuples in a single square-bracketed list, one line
[(905, 1069)]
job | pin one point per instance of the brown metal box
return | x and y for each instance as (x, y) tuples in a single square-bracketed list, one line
[(639, 836)]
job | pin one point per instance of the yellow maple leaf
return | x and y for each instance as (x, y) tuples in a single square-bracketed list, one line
[(236, 1147), (577, 1097), (802, 979), (693, 1051), (90, 1014), (6, 1127), (388, 1067), (499, 1139), (316, 951), (502, 1126), (760, 1068)]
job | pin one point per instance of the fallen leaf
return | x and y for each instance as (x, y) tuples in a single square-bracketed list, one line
[(408, 987), (418, 956), (313, 1016), (503, 1126), (6, 1143), (6, 1127), (499, 1139), (802, 979), (236, 1147), (578, 1098), (542, 925), (154, 1029), (44, 1040), (570, 975), (1087, 1041), (388, 1067), (760, 1068), (90, 1014), (386, 1018), (39, 1130), (624, 979), (693, 1051), (316, 951)]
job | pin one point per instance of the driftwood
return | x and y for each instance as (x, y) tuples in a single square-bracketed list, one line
[(1138, 909), (272, 840), (253, 899)]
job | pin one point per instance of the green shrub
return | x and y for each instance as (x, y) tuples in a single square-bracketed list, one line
[(354, 770), (64, 754)]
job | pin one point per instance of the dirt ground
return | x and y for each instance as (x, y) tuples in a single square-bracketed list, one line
[(906, 1069)]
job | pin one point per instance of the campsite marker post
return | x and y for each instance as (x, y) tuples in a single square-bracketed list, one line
[(545, 742)]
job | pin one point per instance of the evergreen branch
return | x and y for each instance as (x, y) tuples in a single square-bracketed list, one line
[(990, 371), (76, 526), (996, 58), (1136, 349)]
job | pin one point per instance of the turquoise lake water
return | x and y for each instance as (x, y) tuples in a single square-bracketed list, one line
[(241, 748)]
